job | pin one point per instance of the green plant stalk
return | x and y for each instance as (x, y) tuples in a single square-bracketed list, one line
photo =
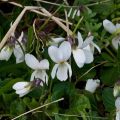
[(77, 25)]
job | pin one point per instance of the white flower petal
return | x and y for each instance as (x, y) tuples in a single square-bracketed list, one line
[(79, 57), (54, 70), (117, 115), (78, 13), (41, 74), (44, 64), (65, 48), (117, 103), (109, 26), (91, 85), (116, 42), (58, 40), (87, 48), (23, 94), (69, 69), (87, 41), (22, 91), (20, 85), (55, 54), (18, 53), (80, 40), (117, 26), (96, 46), (88, 56), (62, 72), (31, 61), (6, 53)]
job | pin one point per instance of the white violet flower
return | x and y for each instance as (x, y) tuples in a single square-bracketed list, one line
[(18, 52), (39, 68), (111, 28), (22, 88), (6, 53), (60, 55), (91, 85), (117, 105), (7, 50), (82, 53)]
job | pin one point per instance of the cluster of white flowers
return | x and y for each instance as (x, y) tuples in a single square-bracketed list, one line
[(59, 52), (111, 28), (115, 30)]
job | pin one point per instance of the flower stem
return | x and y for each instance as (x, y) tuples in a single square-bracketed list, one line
[(38, 108)]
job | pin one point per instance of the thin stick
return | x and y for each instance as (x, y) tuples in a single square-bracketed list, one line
[(90, 70), (38, 12), (68, 115), (37, 108), (14, 25), (56, 4), (12, 28), (56, 20)]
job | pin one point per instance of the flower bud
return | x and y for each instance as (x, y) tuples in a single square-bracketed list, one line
[(91, 85), (116, 90)]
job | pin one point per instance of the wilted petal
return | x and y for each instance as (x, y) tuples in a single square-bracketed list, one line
[(54, 70), (80, 40), (18, 53), (109, 26), (88, 56), (87, 41), (65, 48), (6, 53), (55, 54), (44, 64), (31, 61), (116, 42), (20, 85), (62, 72), (79, 57)]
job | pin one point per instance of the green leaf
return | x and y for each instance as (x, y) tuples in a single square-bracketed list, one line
[(79, 103), (18, 107), (8, 86), (108, 99), (30, 103), (109, 75)]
